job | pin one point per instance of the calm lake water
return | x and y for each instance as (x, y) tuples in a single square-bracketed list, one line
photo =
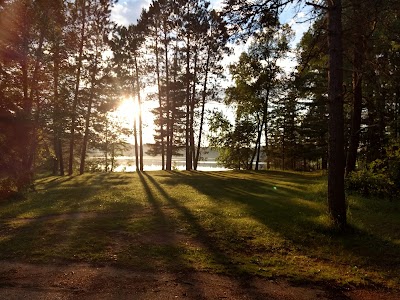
[(127, 164)]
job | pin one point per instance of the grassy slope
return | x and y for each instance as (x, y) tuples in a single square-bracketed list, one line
[(272, 224)]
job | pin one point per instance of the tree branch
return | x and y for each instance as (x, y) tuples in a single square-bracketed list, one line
[(317, 5)]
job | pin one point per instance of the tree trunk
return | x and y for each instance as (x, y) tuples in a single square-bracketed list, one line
[(112, 157), (60, 156), (283, 151), (135, 138), (336, 196), (106, 149), (358, 62), (173, 103), (265, 121), (88, 115), (324, 162), (187, 124), (203, 105), (192, 106), (259, 133), (76, 94), (168, 112), (397, 113), (258, 146), (58, 163), (55, 158), (357, 105), (86, 134), (22, 126), (162, 134), (27, 123), (34, 94), (141, 167)]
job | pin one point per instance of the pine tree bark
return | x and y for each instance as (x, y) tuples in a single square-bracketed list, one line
[(161, 115), (23, 129), (141, 163), (88, 115), (192, 106), (336, 164), (258, 147), (357, 105), (106, 149), (136, 143), (358, 62), (76, 93), (58, 162), (265, 121), (187, 123), (167, 110), (35, 100), (203, 107)]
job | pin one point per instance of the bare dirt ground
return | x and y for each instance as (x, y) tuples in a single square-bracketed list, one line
[(83, 281)]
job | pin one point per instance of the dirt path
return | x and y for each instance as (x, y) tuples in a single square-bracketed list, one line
[(83, 281)]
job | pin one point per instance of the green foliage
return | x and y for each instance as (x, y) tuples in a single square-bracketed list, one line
[(95, 165), (369, 183), (7, 188), (234, 143), (381, 178), (393, 163)]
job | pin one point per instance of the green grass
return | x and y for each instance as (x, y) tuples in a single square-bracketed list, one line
[(272, 224)]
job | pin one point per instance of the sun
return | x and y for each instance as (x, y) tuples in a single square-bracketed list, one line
[(128, 111)]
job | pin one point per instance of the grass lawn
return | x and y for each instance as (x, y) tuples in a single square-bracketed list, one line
[(272, 224)]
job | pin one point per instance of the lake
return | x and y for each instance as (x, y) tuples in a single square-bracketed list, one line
[(127, 164)]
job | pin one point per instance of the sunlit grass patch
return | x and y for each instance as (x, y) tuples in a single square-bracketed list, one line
[(268, 223)]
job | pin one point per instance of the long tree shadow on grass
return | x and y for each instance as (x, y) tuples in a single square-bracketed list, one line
[(286, 208), (173, 260), (75, 220), (63, 218), (73, 194), (225, 260)]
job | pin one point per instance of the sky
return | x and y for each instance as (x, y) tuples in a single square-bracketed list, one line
[(126, 12)]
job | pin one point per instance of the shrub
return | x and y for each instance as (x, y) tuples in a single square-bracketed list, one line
[(370, 183), (381, 177), (8, 188)]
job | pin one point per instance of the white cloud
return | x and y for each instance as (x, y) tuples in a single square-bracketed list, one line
[(127, 12), (216, 4)]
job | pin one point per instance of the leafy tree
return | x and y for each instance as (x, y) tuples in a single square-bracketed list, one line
[(21, 60), (257, 78), (233, 142), (309, 87), (215, 47), (364, 18), (79, 15), (99, 30)]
